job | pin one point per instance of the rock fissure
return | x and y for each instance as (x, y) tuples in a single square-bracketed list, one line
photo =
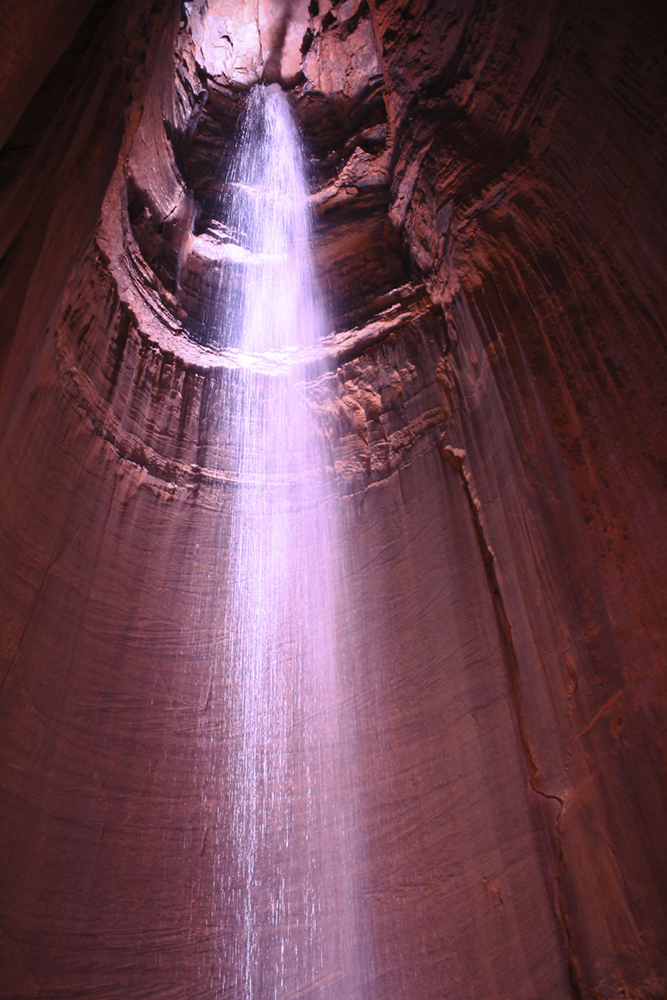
[(454, 458)]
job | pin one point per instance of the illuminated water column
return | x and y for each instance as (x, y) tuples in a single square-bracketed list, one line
[(288, 895)]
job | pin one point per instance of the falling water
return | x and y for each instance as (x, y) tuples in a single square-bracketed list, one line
[(289, 891)]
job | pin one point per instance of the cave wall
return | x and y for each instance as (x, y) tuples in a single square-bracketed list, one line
[(533, 215), (489, 206)]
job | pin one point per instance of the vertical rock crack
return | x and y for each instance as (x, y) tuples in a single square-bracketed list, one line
[(454, 458)]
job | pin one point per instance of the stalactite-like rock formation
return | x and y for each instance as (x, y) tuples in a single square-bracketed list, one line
[(490, 216)]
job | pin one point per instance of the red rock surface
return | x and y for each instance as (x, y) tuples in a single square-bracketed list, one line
[(491, 212)]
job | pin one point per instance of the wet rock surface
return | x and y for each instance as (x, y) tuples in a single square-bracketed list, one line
[(489, 204)]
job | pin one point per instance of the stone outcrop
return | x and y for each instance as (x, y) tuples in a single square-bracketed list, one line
[(489, 213)]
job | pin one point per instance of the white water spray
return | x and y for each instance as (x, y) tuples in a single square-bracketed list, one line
[(289, 895)]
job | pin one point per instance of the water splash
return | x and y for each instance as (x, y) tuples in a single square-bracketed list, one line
[(288, 892)]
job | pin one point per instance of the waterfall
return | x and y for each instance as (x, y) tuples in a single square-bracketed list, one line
[(287, 878)]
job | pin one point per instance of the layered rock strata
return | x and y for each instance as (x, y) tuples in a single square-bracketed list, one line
[(488, 204)]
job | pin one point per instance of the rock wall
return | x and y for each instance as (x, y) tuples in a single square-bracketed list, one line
[(528, 197), (488, 202)]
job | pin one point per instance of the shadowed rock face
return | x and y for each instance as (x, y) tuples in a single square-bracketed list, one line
[(489, 203)]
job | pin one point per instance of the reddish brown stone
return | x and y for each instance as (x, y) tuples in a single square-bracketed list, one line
[(493, 220)]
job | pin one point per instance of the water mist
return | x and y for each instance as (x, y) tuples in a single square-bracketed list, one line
[(286, 888)]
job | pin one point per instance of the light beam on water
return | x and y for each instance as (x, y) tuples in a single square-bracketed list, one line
[(289, 896)]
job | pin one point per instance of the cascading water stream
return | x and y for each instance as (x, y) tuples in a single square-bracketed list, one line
[(288, 894)]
